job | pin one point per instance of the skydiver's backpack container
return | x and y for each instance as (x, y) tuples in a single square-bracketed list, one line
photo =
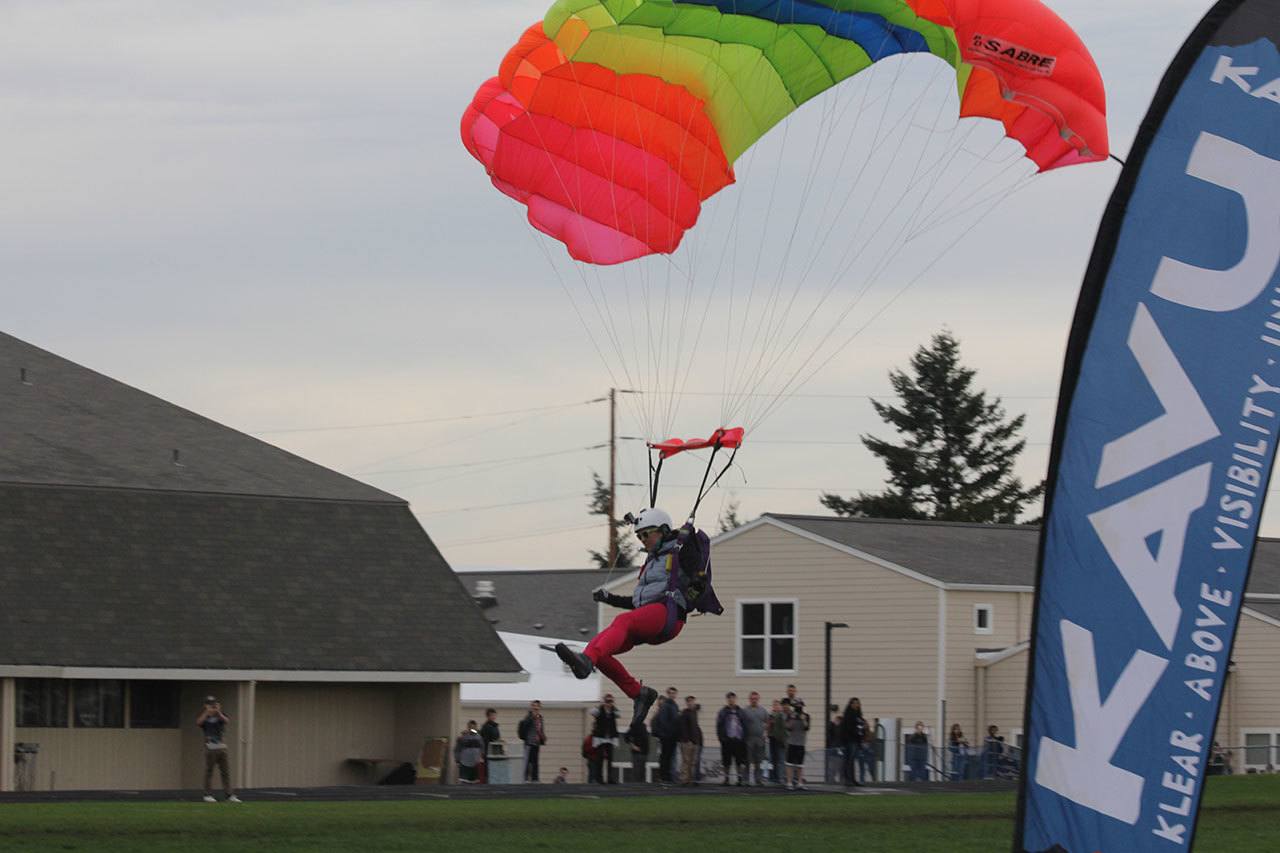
[(701, 597)]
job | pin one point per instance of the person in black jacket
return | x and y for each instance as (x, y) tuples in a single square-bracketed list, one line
[(533, 734), (604, 737), (489, 733), (690, 741), (917, 754), (666, 728), (853, 733), (637, 738), (731, 730)]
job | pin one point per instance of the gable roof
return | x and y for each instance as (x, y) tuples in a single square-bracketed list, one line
[(144, 579), (244, 559), (68, 425), (559, 600), (960, 553)]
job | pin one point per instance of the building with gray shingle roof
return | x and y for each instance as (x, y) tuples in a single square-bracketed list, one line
[(553, 603), (960, 553), (150, 556)]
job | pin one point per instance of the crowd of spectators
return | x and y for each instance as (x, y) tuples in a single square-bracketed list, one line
[(757, 745)]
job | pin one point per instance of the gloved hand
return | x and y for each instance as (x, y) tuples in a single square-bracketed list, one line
[(600, 595)]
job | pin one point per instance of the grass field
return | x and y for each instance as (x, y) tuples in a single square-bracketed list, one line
[(1241, 815)]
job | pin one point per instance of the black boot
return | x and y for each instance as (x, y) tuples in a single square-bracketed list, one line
[(643, 702), (579, 664)]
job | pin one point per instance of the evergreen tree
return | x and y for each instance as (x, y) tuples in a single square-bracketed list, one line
[(958, 450), (600, 506), (729, 516)]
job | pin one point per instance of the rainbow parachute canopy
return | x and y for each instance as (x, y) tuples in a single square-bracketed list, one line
[(613, 120)]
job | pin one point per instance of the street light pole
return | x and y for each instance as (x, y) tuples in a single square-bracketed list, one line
[(826, 698)]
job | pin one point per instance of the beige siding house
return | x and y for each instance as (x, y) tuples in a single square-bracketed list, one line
[(938, 616), (150, 557)]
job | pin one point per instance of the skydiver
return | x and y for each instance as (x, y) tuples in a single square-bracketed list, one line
[(655, 612)]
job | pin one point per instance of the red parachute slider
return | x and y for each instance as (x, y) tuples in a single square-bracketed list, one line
[(731, 438)]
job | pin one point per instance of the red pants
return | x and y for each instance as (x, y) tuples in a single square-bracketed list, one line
[(630, 628)]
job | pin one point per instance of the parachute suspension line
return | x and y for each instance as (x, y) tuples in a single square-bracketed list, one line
[(704, 489), (749, 379), (786, 130), (1117, 159), (945, 216), (880, 134), (572, 302), (790, 391), (872, 278), (930, 173), (586, 285), (678, 362)]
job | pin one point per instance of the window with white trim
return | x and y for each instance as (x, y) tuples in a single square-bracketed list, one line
[(1261, 748), (42, 702), (982, 619), (767, 636), (98, 703)]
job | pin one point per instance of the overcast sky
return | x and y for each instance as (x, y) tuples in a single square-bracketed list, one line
[(262, 211)]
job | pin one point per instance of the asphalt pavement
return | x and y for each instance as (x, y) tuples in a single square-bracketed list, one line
[(366, 793)]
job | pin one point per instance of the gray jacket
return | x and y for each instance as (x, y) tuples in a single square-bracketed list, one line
[(755, 719), (652, 585)]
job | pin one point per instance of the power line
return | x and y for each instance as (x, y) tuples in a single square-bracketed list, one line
[(813, 442), (481, 462), (420, 421), (757, 488), (468, 436), (551, 499), (537, 535), (813, 396)]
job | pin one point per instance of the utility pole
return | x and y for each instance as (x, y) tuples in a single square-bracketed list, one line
[(613, 476), (826, 699)]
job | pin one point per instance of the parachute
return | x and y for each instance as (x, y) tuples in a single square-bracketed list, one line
[(613, 120), (619, 124)]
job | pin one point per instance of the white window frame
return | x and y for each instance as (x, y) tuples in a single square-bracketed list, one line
[(1273, 750), (991, 618), (767, 636)]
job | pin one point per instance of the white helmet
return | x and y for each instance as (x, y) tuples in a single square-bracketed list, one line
[(652, 517)]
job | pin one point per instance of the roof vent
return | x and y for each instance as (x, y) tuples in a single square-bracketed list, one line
[(22, 376), (538, 626), (485, 595), (177, 457)]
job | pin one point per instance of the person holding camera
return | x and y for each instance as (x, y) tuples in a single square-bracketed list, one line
[(213, 722), (797, 731)]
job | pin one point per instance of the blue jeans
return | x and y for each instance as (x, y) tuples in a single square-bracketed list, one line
[(866, 762), (531, 762), (777, 753)]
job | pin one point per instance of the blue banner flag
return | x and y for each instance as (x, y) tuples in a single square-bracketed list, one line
[(1169, 414)]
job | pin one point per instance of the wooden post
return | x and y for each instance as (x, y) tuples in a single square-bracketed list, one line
[(8, 738)]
